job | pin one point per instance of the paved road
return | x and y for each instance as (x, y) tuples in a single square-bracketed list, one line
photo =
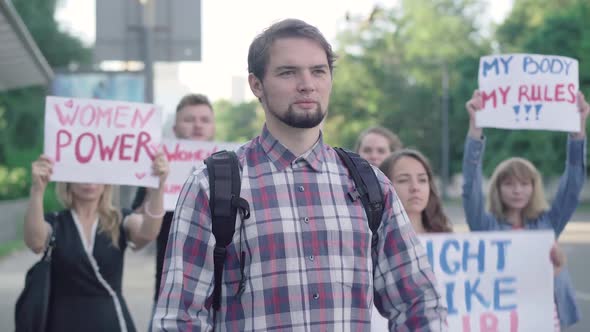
[(139, 279), (138, 285), (580, 269)]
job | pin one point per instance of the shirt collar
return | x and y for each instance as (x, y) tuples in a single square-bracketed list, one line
[(281, 157)]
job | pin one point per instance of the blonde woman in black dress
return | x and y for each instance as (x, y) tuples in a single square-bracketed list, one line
[(91, 238)]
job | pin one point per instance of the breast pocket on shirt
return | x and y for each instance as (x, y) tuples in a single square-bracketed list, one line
[(350, 258), (232, 274)]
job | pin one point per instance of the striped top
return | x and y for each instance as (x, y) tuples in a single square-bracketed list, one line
[(308, 264)]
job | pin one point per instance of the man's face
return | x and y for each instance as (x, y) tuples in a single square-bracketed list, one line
[(297, 83), (195, 122)]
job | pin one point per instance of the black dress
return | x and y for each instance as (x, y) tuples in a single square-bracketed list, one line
[(86, 290)]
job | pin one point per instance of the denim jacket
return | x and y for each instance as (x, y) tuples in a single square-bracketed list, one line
[(556, 218)]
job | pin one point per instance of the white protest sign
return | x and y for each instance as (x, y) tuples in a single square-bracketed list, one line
[(529, 91), (183, 156), (102, 141), (492, 281)]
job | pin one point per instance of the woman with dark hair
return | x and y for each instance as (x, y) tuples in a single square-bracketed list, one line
[(412, 177)]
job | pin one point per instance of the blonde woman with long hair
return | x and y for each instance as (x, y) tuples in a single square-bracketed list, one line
[(376, 143), (91, 237), (516, 199)]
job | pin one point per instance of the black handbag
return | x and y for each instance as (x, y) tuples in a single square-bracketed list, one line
[(32, 306)]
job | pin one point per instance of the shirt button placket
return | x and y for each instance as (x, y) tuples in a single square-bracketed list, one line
[(310, 258)]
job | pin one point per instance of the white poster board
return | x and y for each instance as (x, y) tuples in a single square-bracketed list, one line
[(102, 141), (492, 281), (529, 91), (183, 156)]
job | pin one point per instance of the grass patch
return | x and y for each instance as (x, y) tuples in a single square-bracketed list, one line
[(583, 207), (9, 247)]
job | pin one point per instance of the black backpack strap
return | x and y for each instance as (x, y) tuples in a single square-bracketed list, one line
[(52, 238), (367, 188), (224, 200)]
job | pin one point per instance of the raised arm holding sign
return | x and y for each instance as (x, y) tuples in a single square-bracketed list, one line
[(516, 199), (88, 242), (471, 308)]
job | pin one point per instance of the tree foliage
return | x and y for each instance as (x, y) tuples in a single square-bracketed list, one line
[(391, 64), (238, 122), (22, 109), (543, 27), (390, 73), (59, 48)]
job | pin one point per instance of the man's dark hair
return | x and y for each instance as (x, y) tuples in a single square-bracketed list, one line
[(193, 99), (258, 55)]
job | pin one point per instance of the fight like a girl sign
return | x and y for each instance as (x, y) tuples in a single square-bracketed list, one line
[(492, 281)]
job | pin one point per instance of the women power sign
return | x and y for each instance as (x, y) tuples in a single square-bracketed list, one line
[(528, 91), (492, 281), (184, 156), (102, 141)]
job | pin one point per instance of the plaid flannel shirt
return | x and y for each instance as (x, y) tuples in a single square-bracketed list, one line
[(309, 264)]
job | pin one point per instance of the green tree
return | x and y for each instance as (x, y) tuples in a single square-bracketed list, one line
[(238, 122), (59, 48), (21, 140), (543, 27), (390, 72), (525, 19)]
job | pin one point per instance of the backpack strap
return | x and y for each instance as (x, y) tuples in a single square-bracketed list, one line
[(367, 188), (224, 201), (52, 238)]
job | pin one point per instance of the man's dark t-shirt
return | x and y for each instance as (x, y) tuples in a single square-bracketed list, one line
[(161, 241)]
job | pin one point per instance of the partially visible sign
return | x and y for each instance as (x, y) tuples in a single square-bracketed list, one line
[(492, 281), (183, 156)]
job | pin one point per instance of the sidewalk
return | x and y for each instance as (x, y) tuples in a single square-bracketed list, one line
[(138, 284), (138, 278), (577, 230)]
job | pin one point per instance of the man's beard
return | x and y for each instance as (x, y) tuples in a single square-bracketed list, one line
[(302, 120)]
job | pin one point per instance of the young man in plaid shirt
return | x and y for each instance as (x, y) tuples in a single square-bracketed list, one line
[(309, 263)]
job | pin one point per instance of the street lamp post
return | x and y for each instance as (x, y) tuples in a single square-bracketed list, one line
[(147, 27), (147, 41), (445, 131)]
